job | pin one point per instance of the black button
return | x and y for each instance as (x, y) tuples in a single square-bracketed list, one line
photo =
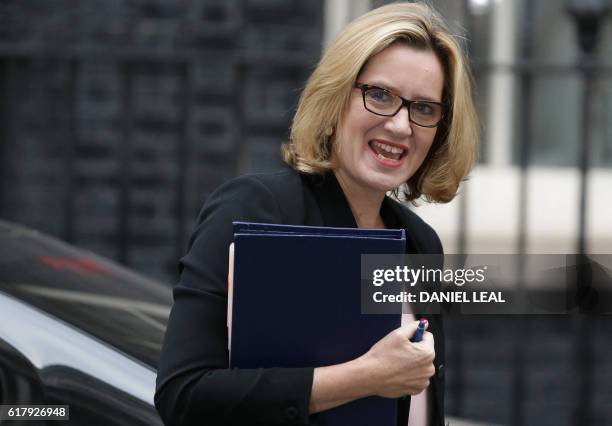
[(440, 372), (291, 413)]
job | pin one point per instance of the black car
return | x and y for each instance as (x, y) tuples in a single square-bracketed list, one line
[(77, 329)]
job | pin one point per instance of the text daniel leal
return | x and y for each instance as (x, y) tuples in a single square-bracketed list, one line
[(439, 296)]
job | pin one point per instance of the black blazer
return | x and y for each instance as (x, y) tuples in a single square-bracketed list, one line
[(194, 384)]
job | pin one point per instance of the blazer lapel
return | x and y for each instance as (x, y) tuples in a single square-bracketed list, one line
[(395, 218), (333, 205)]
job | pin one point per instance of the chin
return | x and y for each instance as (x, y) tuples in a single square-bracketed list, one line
[(384, 183)]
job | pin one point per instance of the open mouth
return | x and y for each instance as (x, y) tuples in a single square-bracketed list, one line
[(387, 152)]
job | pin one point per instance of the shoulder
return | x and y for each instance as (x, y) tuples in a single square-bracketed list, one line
[(255, 197), (281, 183), (276, 183), (425, 238), (247, 198)]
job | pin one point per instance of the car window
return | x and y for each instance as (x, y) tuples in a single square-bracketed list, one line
[(111, 303)]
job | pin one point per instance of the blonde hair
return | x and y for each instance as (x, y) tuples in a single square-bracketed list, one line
[(328, 90)]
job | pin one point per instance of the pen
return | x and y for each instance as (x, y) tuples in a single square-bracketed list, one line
[(418, 335)]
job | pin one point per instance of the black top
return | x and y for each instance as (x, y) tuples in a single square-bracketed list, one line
[(194, 384)]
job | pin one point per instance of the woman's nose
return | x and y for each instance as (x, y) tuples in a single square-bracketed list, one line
[(400, 123)]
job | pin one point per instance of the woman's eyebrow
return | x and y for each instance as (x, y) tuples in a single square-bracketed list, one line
[(383, 85), (427, 99)]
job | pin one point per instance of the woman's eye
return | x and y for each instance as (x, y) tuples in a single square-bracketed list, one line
[(379, 95), (423, 108)]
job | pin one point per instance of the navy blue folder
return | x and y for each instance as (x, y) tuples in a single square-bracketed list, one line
[(297, 302)]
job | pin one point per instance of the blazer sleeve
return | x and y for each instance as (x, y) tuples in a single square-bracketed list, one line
[(194, 383)]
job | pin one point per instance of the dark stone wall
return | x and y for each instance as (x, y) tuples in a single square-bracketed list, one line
[(119, 117)]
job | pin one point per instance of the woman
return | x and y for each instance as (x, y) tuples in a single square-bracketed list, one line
[(388, 106)]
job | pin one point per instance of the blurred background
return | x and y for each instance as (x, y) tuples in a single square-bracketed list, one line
[(119, 117)]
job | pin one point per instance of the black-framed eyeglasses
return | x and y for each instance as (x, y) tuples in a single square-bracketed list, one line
[(381, 101)]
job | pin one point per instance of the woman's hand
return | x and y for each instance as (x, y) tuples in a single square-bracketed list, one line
[(392, 368), (398, 367)]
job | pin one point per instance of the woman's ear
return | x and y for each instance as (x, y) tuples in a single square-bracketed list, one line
[(330, 138)]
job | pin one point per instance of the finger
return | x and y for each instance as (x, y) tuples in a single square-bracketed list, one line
[(428, 339), (409, 329), (426, 323)]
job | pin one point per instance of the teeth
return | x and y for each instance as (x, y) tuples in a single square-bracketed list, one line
[(388, 148)]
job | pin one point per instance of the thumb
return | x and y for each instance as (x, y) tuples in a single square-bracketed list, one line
[(409, 329)]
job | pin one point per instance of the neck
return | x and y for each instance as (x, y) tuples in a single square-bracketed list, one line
[(365, 205)]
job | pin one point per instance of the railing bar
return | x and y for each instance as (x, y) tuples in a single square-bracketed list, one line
[(583, 335), (520, 332)]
